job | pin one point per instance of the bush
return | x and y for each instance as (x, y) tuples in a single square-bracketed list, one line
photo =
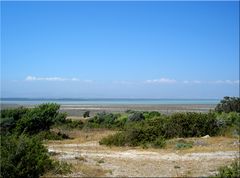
[(135, 136), (152, 114), (230, 171), (71, 124), (48, 135), (151, 131), (9, 118), (38, 119), (61, 168), (160, 142), (136, 116), (182, 144), (7, 125), (23, 157), (121, 121), (60, 118), (230, 119), (86, 114), (129, 111), (103, 119), (117, 139), (229, 104), (230, 122), (191, 125), (16, 114)]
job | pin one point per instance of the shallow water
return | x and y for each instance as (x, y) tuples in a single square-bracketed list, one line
[(97, 101)]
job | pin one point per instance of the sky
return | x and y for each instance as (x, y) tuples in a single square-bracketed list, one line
[(120, 49)]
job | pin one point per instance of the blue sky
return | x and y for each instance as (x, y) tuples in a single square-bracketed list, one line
[(120, 49)]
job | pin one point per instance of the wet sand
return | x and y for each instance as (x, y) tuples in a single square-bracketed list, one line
[(78, 110)]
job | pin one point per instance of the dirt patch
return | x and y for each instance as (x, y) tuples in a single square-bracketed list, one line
[(91, 159)]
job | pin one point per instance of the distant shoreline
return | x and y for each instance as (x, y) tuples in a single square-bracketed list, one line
[(76, 107), (107, 101), (79, 109)]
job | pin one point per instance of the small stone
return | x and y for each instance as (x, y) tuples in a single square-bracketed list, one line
[(206, 136), (236, 143), (200, 143)]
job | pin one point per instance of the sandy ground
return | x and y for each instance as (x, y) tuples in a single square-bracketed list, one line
[(78, 110), (91, 159)]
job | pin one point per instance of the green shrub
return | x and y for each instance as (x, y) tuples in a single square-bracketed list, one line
[(38, 119), (117, 139), (230, 119), (152, 114), (60, 118), (230, 171), (103, 120), (129, 111), (189, 124), (23, 157), (32, 120), (9, 118), (86, 114), (135, 136), (7, 125), (183, 144), (160, 142), (121, 121), (48, 135), (192, 125), (16, 113), (60, 167), (157, 126), (71, 124), (230, 123), (229, 104), (136, 116)]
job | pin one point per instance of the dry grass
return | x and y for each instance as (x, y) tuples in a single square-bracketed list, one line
[(81, 136), (88, 163), (88, 170), (81, 168), (77, 118), (211, 144), (91, 159)]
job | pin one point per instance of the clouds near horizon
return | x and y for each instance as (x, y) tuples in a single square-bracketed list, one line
[(126, 82)]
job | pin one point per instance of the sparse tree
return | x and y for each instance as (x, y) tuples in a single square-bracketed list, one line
[(86, 114), (229, 104), (136, 116)]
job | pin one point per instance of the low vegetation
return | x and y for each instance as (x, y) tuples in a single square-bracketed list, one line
[(182, 144), (22, 132), (151, 130), (86, 114), (23, 156), (232, 170), (24, 129), (228, 104)]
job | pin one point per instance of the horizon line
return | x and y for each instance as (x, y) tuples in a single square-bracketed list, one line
[(100, 98)]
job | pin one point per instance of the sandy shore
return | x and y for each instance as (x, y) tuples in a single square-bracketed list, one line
[(78, 110)]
